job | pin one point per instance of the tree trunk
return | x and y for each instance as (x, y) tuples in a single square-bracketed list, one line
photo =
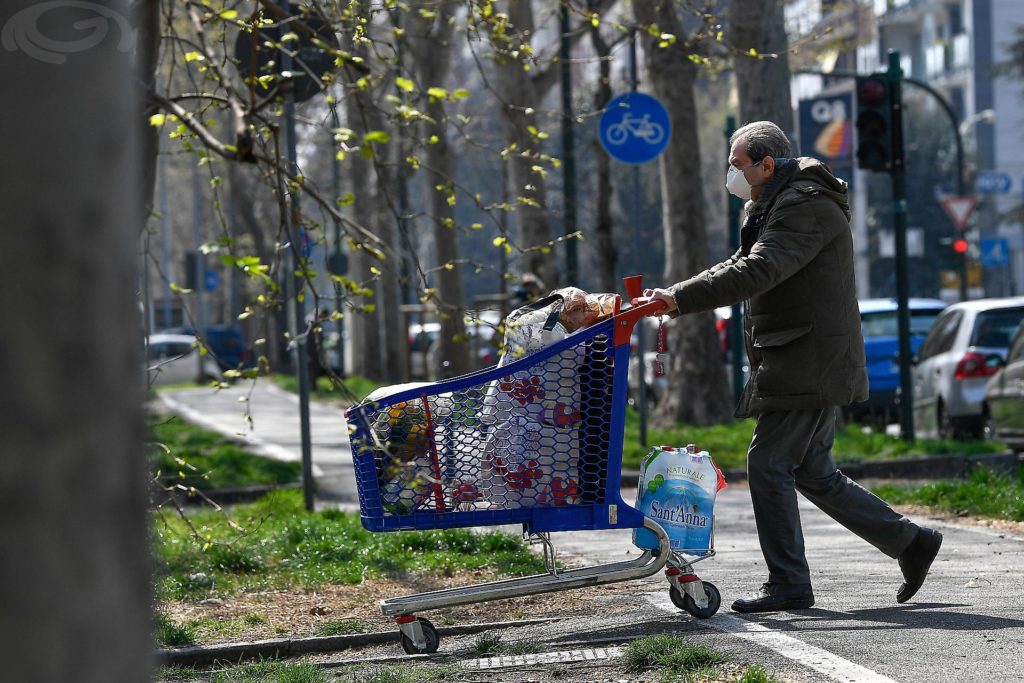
[(762, 81), (699, 392), (603, 227), (147, 19), (251, 222), (519, 94), (75, 589), (431, 46), (393, 328), (367, 347)]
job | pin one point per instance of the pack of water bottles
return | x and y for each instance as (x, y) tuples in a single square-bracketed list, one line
[(677, 489)]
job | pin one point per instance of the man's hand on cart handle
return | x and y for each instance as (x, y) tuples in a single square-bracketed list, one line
[(657, 295)]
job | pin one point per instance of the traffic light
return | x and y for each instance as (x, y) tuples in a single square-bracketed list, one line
[(874, 123), (953, 253)]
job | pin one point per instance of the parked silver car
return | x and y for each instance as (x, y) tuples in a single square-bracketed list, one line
[(1004, 398), (175, 359), (966, 345)]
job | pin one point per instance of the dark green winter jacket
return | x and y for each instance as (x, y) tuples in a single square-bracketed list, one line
[(794, 272)]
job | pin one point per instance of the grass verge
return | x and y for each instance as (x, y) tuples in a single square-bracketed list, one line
[(984, 493), (276, 543), (493, 645), (727, 443), (676, 661), (360, 386), (198, 457)]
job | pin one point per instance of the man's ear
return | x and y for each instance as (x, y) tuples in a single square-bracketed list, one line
[(768, 166)]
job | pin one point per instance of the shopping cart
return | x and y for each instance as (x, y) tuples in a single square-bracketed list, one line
[(536, 442)]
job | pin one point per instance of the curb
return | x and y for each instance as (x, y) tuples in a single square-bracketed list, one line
[(228, 496), (201, 655), (927, 467)]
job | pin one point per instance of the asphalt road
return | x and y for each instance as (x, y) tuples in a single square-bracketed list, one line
[(966, 623)]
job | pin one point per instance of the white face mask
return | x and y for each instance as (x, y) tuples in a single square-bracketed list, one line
[(736, 182)]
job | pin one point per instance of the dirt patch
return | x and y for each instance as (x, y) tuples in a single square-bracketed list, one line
[(302, 613)]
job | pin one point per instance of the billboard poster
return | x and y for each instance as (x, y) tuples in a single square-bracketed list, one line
[(826, 132)]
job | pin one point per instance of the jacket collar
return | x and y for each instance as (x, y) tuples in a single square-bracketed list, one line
[(784, 172)]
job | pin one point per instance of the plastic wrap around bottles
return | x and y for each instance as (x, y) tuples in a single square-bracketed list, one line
[(677, 489)]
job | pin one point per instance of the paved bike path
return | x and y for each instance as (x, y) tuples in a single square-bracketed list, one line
[(272, 429), (966, 624)]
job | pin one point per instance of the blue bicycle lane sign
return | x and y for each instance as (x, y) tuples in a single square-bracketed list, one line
[(635, 128)]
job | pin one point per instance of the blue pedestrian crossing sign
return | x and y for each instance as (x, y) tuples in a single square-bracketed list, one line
[(635, 128), (995, 252)]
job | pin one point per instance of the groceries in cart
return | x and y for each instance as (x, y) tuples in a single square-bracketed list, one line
[(531, 456), (543, 322), (677, 489), (408, 471)]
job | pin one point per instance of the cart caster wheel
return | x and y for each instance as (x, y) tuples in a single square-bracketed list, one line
[(429, 634), (684, 602)]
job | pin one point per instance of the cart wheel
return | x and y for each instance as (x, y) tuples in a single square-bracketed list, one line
[(429, 634), (683, 601)]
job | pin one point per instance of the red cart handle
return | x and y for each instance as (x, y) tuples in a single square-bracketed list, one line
[(627, 320)]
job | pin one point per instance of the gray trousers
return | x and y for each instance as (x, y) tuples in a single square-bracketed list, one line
[(791, 451)]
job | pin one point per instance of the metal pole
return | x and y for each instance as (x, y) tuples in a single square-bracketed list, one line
[(568, 149), (198, 257), (294, 230), (641, 391), (736, 321), (895, 75), (502, 255), (165, 250), (336, 186)]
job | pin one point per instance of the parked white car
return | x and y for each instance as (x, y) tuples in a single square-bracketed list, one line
[(966, 345), (175, 359)]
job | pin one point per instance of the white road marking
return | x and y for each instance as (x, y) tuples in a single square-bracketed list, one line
[(831, 665)]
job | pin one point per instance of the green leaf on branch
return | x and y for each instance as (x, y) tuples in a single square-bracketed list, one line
[(404, 84), (437, 93), (380, 136)]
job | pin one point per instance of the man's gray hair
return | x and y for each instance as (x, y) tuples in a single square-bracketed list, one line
[(764, 139)]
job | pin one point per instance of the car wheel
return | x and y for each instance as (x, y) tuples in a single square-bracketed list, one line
[(988, 430), (944, 423)]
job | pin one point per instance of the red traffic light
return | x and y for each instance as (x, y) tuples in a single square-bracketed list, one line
[(960, 246), (871, 92)]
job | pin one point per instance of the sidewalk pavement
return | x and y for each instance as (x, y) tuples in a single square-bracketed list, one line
[(274, 429)]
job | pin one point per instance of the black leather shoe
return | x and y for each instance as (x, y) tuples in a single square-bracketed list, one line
[(916, 560), (777, 597)]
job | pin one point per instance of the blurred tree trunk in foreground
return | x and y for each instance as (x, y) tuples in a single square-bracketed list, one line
[(75, 575), (700, 394)]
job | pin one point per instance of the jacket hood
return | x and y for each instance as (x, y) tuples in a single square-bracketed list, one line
[(798, 172)]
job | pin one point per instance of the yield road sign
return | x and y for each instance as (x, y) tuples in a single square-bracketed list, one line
[(635, 128), (959, 208)]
